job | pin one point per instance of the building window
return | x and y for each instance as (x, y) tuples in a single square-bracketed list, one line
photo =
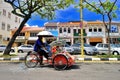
[(9, 15), (60, 30), (95, 29), (33, 34), (8, 27), (74, 30), (69, 31), (3, 26), (16, 18), (21, 34), (64, 29), (90, 29), (99, 30), (79, 31), (4, 12), (19, 20)]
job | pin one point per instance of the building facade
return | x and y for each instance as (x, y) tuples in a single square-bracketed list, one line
[(93, 32), (7, 21), (28, 35)]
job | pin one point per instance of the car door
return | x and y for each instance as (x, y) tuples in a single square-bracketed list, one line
[(105, 48), (29, 48)]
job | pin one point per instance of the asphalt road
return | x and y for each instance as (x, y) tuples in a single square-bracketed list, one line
[(82, 71)]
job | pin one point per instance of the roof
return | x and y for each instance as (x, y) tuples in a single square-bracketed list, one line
[(26, 28)]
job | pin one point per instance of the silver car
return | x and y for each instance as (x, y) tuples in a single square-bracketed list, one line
[(3, 47), (25, 48), (88, 49), (68, 48)]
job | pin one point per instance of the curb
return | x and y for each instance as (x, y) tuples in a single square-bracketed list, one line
[(12, 59), (77, 60), (98, 59)]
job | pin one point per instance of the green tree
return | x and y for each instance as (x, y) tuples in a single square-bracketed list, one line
[(107, 8), (25, 9)]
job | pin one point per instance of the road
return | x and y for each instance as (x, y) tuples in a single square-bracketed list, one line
[(81, 71)]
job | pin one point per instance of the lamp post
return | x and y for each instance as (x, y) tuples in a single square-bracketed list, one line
[(81, 25)]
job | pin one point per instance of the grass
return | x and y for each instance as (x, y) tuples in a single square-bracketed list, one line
[(8, 56), (108, 56)]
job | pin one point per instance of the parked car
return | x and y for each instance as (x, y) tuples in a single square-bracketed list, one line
[(25, 48), (102, 48), (88, 49), (3, 47), (115, 49), (68, 48)]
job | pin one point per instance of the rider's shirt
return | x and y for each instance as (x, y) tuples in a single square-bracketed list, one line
[(38, 45)]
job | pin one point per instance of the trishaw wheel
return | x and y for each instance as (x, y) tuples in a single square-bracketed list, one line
[(31, 60), (60, 62)]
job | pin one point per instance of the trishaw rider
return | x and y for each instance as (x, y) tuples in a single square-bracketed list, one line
[(40, 48)]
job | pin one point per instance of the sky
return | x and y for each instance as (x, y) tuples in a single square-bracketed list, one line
[(69, 14)]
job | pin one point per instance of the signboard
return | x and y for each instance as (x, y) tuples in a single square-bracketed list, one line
[(114, 29)]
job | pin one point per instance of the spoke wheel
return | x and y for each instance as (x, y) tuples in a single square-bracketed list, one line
[(60, 62), (31, 60)]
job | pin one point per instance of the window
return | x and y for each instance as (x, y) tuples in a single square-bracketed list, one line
[(33, 34), (79, 31), (64, 29), (69, 31), (16, 18), (60, 30), (99, 30), (100, 45), (90, 29), (95, 29), (9, 15), (3, 26), (105, 45), (19, 20), (74, 30), (4, 12), (8, 27), (22, 34)]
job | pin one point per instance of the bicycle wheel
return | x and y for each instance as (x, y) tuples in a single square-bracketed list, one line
[(31, 60), (60, 62)]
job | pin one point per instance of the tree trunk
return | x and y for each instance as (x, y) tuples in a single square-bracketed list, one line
[(8, 48), (109, 48)]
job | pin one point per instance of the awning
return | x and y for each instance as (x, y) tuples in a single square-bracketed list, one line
[(95, 39)]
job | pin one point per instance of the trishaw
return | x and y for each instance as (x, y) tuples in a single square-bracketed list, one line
[(59, 58)]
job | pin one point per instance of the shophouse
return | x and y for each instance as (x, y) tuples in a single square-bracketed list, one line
[(28, 35), (93, 32), (7, 21), (97, 33)]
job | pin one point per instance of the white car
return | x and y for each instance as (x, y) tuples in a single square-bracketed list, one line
[(25, 48), (88, 49), (68, 48), (103, 48), (115, 49), (3, 47)]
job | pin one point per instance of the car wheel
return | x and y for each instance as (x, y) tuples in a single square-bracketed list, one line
[(115, 53), (12, 50), (20, 51), (85, 52)]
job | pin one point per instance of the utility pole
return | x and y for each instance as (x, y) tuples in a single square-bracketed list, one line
[(81, 25)]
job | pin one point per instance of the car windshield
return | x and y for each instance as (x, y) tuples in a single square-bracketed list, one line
[(87, 45), (76, 45)]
